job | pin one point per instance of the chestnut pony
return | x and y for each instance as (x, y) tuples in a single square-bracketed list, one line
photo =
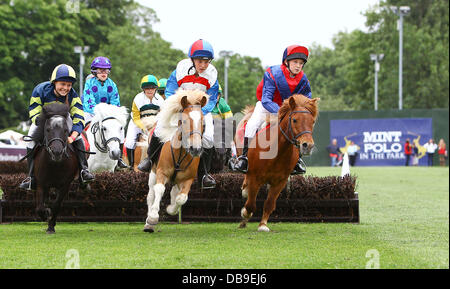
[(274, 152), (55, 161), (181, 132)]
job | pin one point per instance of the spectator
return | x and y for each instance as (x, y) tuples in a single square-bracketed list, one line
[(408, 151), (415, 155), (352, 151), (431, 148), (334, 152), (442, 151)]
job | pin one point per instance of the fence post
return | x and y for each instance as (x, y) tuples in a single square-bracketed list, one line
[(179, 215)]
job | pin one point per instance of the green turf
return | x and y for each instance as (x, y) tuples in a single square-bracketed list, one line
[(404, 216)]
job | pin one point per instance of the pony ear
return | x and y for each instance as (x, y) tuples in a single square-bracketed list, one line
[(203, 102), (184, 102), (292, 103)]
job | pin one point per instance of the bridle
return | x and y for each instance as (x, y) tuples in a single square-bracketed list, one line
[(293, 139), (103, 145), (48, 142), (177, 164)]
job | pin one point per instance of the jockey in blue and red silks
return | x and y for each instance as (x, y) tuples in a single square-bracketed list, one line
[(195, 72), (279, 83)]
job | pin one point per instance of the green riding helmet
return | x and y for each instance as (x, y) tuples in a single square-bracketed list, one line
[(162, 85), (149, 81)]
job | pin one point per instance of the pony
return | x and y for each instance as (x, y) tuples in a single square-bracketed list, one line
[(55, 161), (181, 132), (274, 152), (104, 135)]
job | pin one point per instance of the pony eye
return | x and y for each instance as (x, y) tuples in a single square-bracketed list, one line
[(294, 120)]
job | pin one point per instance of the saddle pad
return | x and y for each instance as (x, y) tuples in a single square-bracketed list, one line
[(241, 133)]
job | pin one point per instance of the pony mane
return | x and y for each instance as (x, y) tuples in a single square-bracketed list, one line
[(168, 116), (300, 100), (104, 110), (48, 111)]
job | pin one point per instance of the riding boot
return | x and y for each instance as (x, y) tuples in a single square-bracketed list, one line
[(146, 164), (130, 156), (120, 162), (85, 175), (242, 160), (205, 179), (300, 167), (29, 183)]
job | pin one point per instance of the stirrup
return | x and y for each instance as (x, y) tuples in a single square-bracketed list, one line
[(27, 184), (83, 179), (145, 165), (212, 184), (299, 169), (239, 165), (121, 164)]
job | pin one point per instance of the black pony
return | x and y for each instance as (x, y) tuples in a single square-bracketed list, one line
[(55, 161)]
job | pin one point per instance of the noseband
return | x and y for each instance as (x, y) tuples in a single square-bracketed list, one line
[(103, 145), (293, 139), (48, 142)]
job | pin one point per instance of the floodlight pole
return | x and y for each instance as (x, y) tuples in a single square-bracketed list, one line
[(400, 11), (81, 50), (376, 58), (226, 55)]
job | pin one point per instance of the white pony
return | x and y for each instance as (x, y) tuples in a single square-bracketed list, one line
[(104, 136)]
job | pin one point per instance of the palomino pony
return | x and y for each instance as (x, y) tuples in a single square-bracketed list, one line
[(104, 135), (181, 133), (274, 152), (55, 161)]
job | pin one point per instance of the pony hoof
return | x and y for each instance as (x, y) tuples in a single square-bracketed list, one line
[(149, 228), (263, 228), (50, 231), (172, 210), (243, 225), (181, 199)]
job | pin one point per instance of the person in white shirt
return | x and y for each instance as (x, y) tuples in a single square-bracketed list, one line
[(431, 149), (352, 152)]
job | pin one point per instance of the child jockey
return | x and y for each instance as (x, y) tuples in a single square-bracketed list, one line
[(279, 83), (195, 72)]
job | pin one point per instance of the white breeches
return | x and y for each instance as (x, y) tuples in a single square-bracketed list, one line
[(208, 134), (132, 133), (256, 120)]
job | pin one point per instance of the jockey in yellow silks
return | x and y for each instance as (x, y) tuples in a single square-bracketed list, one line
[(147, 103), (58, 89), (195, 72)]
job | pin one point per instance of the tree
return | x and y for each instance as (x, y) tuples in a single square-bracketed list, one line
[(244, 75)]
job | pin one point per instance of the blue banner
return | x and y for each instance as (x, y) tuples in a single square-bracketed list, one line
[(381, 142)]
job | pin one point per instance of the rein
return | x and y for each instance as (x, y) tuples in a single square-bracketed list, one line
[(177, 164), (103, 145), (293, 139)]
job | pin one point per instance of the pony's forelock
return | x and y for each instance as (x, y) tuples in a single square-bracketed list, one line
[(104, 110)]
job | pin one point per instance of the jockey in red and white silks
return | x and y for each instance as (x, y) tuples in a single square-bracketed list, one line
[(186, 77), (196, 72), (279, 83)]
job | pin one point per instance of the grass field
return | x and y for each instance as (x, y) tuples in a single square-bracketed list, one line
[(404, 216)]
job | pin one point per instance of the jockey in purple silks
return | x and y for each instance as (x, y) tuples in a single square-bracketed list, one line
[(100, 88)]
